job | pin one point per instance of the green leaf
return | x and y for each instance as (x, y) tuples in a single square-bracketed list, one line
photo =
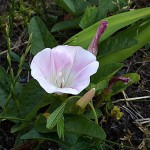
[(31, 99), (18, 127), (81, 125), (93, 2), (65, 25), (40, 124), (115, 44), (41, 38), (99, 86), (106, 72), (60, 128), (18, 88), (89, 113), (4, 87), (103, 8), (55, 117), (70, 139), (120, 86), (115, 23), (18, 141), (86, 143), (16, 58), (140, 32), (75, 7), (89, 17), (71, 107), (83, 145), (33, 134)]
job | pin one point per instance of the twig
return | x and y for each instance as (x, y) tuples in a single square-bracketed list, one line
[(143, 121), (131, 99), (4, 52), (130, 112), (125, 97)]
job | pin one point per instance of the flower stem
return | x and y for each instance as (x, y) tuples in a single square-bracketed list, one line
[(11, 16), (12, 118), (23, 58), (9, 51), (94, 112)]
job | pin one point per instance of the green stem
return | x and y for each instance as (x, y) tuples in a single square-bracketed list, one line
[(7, 102), (94, 112), (11, 16), (12, 118), (23, 58), (8, 54)]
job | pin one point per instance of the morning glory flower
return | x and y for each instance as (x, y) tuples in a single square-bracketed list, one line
[(64, 69)]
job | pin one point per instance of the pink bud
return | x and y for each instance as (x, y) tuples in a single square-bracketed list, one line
[(119, 78), (86, 98), (93, 47), (113, 81)]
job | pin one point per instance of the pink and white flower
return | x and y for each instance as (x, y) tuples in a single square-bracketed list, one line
[(64, 69)]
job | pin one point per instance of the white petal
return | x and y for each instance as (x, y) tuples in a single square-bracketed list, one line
[(66, 90), (49, 88), (41, 64), (82, 79)]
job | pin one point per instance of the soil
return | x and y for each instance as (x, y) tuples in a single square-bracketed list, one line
[(132, 129)]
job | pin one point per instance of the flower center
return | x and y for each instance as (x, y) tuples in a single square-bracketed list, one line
[(60, 82)]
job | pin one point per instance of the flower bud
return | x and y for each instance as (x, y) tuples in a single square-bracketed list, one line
[(119, 78), (113, 81), (93, 47), (86, 98)]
